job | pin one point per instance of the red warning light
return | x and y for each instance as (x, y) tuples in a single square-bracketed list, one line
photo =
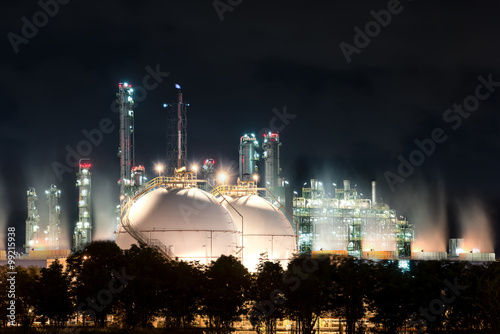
[(85, 165), (138, 168)]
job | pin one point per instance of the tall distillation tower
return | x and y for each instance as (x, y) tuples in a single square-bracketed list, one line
[(125, 102), (248, 157), (177, 135), (53, 232), (271, 155), (32, 222), (82, 235)]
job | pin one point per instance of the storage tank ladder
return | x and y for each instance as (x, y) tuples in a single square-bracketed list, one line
[(138, 235)]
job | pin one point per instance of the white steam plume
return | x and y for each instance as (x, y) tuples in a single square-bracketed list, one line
[(475, 227), (104, 201), (426, 205)]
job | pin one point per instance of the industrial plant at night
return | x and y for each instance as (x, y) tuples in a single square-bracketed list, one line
[(237, 167), (190, 213)]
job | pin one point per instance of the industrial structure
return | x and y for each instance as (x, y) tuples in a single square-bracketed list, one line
[(138, 174), (188, 219), (248, 157), (193, 219), (349, 224), (126, 153), (82, 234), (32, 222), (175, 213), (208, 172), (53, 231), (175, 216), (271, 156), (177, 134)]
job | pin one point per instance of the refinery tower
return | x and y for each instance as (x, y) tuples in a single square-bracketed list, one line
[(53, 232), (248, 157), (32, 222), (82, 235)]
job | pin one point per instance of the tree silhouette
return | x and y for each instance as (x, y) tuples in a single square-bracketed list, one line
[(97, 274), (489, 294), (225, 291), (52, 294), (351, 277), (142, 299), (389, 296), (308, 291), (25, 300), (267, 296), (183, 292)]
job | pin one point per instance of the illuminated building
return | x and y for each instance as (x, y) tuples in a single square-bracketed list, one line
[(82, 234), (248, 157), (350, 224), (53, 232), (271, 156), (32, 222)]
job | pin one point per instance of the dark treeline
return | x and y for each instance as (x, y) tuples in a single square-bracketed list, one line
[(139, 285)]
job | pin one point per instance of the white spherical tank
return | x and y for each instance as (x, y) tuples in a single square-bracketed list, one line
[(190, 222), (265, 229)]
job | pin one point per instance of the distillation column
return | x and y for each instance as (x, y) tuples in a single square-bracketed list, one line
[(82, 235), (271, 155), (248, 157), (125, 102), (53, 232), (32, 222)]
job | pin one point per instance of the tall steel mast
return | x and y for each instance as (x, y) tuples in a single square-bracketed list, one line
[(125, 102), (177, 135)]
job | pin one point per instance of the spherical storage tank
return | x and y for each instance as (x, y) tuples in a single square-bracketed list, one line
[(190, 222), (265, 229)]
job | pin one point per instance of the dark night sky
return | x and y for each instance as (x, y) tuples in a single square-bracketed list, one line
[(351, 120)]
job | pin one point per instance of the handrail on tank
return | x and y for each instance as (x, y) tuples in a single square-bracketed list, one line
[(250, 188), (279, 208), (137, 235), (158, 182)]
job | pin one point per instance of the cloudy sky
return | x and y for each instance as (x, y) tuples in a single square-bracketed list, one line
[(351, 117)]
